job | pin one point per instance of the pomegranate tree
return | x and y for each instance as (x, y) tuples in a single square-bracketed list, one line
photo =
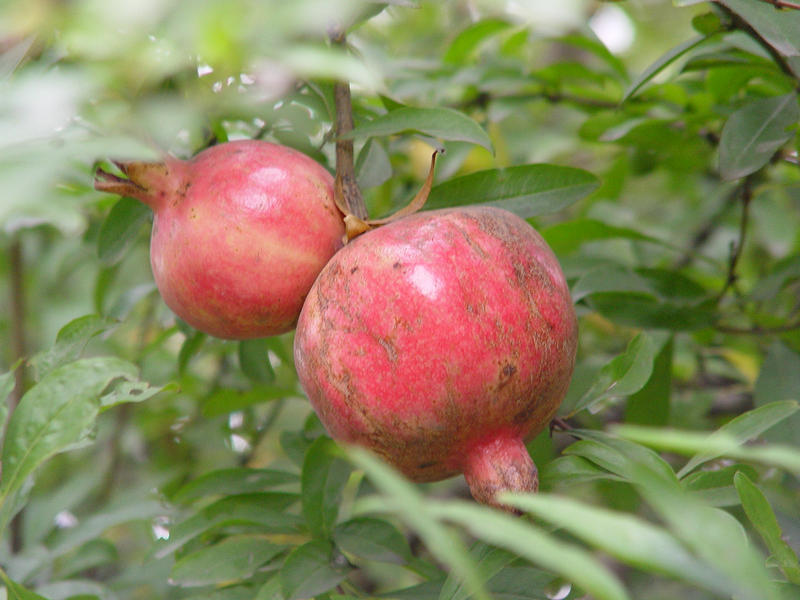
[(240, 232), (442, 341)]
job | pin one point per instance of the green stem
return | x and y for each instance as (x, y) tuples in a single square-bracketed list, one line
[(16, 269)]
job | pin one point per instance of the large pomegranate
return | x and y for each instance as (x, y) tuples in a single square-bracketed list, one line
[(239, 235), (441, 341)]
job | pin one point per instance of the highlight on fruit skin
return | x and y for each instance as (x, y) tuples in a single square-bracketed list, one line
[(442, 341), (240, 232)]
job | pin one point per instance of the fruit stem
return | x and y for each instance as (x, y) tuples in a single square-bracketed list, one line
[(346, 191), (497, 464)]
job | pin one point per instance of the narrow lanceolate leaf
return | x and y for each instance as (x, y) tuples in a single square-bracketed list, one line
[(757, 508), (53, 416), (526, 190), (569, 561), (712, 534), (254, 360), (442, 123), (399, 497), (754, 133), (323, 478), (634, 541), (745, 427), (661, 63)]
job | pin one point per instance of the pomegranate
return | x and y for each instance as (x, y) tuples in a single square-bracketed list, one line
[(240, 233), (442, 341)]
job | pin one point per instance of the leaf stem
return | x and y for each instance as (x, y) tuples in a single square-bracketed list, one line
[(16, 268)]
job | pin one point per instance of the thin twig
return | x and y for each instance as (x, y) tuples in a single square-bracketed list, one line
[(16, 267), (736, 251), (347, 191), (783, 4)]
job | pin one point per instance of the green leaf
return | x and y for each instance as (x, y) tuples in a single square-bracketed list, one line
[(17, 592), (324, 476), (236, 480), (779, 379), (442, 123), (754, 133), (470, 38), (70, 342), (569, 561), (372, 539), (780, 28), (651, 404), (489, 560), (120, 228), (226, 400), (191, 346), (265, 512), (745, 427), (526, 190), (661, 63), (7, 383), (598, 48), (254, 360), (619, 456), (635, 541), (234, 559), (373, 166), (401, 498), (712, 534), (311, 569), (53, 416), (760, 513), (689, 442), (626, 373), (568, 236), (572, 470)]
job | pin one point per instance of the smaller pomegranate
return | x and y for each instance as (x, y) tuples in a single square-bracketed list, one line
[(442, 341), (240, 233)]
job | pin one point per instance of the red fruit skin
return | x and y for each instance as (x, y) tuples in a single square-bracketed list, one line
[(441, 341), (240, 233)]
